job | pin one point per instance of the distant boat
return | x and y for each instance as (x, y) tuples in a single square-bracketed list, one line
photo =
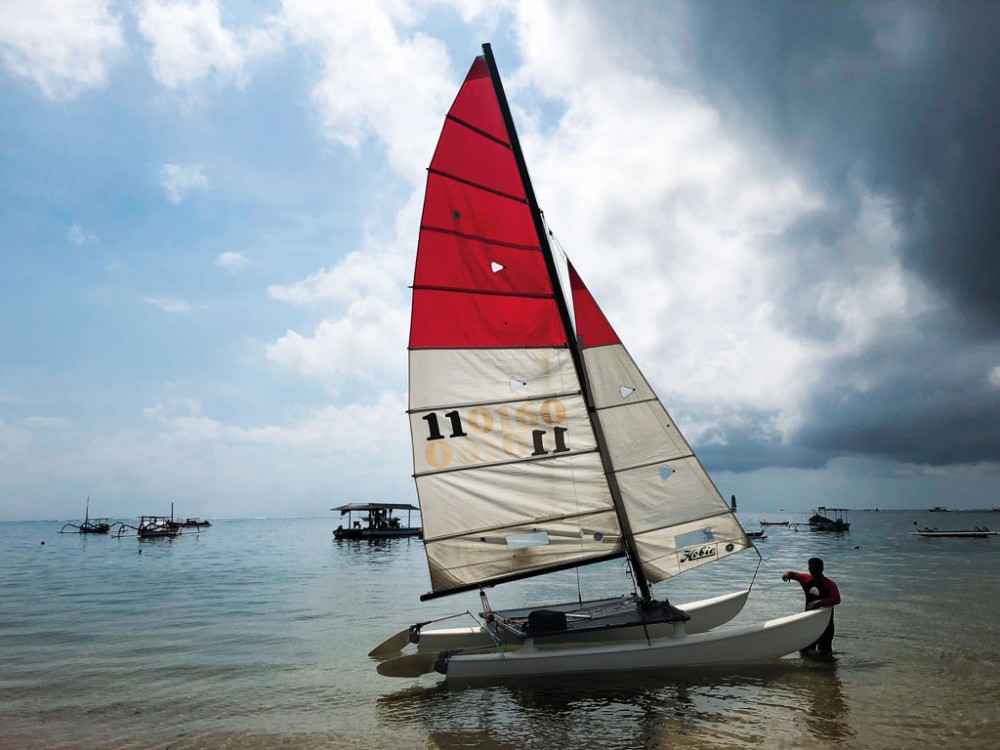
[(939, 509), (973, 533), (194, 523), (154, 527), (829, 519), (379, 523), (774, 523), (756, 534), (89, 525)]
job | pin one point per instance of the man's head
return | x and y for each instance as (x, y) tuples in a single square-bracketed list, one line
[(815, 566)]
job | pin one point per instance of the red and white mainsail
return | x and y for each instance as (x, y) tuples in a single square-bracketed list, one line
[(537, 442)]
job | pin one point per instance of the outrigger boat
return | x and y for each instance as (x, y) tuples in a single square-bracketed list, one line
[(155, 527), (539, 446), (829, 519), (89, 525), (379, 523), (194, 523), (160, 527)]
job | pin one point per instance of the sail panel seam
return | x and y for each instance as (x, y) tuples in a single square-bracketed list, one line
[(517, 577), (474, 404), (512, 462), (478, 131), (621, 469), (523, 528), (479, 238), (687, 522), (484, 292), (629, 403), (478, 186)]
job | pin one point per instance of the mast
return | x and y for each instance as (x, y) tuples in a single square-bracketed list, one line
[(567, 322)]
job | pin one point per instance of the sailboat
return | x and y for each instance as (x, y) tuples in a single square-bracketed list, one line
[(539, 446)]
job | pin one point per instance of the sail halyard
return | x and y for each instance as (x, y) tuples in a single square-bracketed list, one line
[(568, 324)]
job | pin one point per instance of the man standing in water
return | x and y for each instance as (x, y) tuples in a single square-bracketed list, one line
[(820, 591)]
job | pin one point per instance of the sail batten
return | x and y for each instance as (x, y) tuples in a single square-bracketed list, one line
[(480, 186), (513, 461), (473, 128), (484, 240), (480, 291)]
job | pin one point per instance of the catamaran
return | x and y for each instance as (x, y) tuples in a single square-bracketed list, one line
[(539, 446)]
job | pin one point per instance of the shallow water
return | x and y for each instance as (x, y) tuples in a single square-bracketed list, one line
[(253, 634)]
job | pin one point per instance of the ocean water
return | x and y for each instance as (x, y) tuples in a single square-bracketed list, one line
[(254, 634)]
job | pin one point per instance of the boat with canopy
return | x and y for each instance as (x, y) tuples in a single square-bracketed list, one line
[(375, 521), (539, 446)]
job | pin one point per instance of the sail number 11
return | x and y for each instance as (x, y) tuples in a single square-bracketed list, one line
[(483, 433)]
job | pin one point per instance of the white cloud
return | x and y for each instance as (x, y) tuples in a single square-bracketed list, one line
[(232, 262), (675, 219), (378, 77), (169, 305), (64, 48), (188, 42), (80, 236), (180, 180), (365, 339)]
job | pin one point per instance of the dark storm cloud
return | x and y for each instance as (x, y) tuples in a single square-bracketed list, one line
[(901, 98)]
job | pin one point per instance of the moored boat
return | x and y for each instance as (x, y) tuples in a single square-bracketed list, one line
[(976, 532), (89, 525), (379, 523), (829, 519), (194, 523)]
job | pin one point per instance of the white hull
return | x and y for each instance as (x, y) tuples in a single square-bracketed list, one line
[(769, 640), (706, 614)]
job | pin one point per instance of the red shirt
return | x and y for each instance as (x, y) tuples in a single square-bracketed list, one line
[(829, 594)]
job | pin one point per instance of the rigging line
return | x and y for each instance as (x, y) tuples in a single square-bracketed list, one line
[(760, 561), (476, 185)]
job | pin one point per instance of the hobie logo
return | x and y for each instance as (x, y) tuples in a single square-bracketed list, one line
[(696, 554)]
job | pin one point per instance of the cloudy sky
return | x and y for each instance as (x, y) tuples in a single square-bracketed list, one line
[(209, 211)]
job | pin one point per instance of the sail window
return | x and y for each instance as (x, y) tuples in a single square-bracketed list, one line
[(665, 473), (497, 267), (537, 539), (626, 391), (516, 384), (694, 538)]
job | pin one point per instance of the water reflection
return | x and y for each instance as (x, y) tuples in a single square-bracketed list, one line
[(792, 702)]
